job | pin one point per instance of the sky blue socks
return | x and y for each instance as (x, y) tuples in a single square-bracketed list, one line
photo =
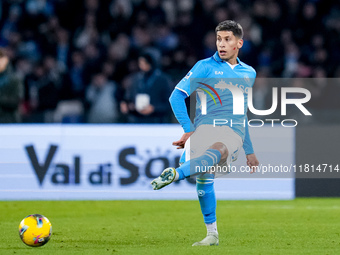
[(206, 197), (199, 165), (204, 183)]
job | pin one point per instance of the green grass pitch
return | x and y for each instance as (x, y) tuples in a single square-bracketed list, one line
[(300, 226)]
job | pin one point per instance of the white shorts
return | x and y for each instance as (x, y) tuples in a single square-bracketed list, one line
[(206, 135)]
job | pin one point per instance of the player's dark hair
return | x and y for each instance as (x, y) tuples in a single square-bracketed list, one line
[(230, 25), (149, 58)]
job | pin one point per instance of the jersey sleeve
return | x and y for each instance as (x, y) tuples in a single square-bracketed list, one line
[(177, 102), (247, 144), (183, 90), (187, 85)]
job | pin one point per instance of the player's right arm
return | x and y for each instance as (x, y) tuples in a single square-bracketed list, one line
[(177, 100)]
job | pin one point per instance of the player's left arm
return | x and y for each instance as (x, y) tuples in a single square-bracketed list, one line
[(252, 160)]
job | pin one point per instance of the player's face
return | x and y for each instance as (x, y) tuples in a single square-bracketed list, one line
[(3, 63), (228, 45)]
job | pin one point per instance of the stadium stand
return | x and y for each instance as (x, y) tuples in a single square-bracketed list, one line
[(57, 47)]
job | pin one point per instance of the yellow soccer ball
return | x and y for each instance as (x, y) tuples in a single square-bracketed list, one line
[(35, 230)]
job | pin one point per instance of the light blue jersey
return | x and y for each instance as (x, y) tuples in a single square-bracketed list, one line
[(215, 78)]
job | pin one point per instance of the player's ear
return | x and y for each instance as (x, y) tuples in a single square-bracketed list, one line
[(239, 43)]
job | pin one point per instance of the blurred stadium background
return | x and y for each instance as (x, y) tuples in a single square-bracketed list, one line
[(64, 50)]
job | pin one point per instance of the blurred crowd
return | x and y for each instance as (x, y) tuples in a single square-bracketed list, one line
[(109, 61)]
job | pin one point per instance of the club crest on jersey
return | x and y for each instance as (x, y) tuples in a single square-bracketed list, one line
[(222, 85), (247, 79), (219, 72)]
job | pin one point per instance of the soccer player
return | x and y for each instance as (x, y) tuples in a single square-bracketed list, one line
[(211, 144)]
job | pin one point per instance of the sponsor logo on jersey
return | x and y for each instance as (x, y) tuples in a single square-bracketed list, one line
[(187, 76)]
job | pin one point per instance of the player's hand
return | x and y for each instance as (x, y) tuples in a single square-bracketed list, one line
[(252, 162), (181, 142), (124, 108), (147, 110)]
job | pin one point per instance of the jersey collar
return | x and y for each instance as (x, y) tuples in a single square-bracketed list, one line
[(218, 59)]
